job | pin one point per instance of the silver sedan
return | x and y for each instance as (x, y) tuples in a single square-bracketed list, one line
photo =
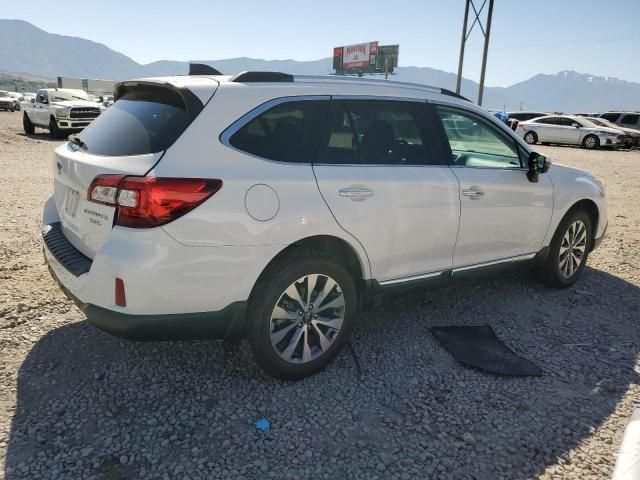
[(569, 130)]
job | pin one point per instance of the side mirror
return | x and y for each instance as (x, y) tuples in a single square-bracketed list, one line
[(537, 164), (33, 100), (574, 124)]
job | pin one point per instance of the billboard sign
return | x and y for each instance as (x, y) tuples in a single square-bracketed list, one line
[(364, 58), (360, 55)]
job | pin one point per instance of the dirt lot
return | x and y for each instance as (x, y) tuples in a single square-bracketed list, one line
[(77, 403)]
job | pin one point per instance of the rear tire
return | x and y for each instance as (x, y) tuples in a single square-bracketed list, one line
[(290, 337), (29, 128), (568, 251), (531, 138), (591, 142)]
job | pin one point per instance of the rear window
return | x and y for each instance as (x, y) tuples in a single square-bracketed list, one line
[(145, 119), (287, 132)]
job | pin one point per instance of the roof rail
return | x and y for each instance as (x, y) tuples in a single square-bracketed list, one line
[(202, 69), (376, 81), (255, 76)]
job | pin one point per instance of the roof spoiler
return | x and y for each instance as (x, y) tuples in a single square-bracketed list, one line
[(245, 77), (202, 69), (453, 94)]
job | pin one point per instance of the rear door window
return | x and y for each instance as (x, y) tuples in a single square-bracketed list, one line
[(630, 119), (287, 132), (145, 119), (379, 132)]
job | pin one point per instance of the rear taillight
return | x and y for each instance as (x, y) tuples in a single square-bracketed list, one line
[(146, 202)]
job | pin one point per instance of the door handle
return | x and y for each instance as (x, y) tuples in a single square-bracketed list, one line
[(356, 193), (473, 193)]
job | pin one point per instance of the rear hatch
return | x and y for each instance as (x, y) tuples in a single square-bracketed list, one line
[(129, 138)]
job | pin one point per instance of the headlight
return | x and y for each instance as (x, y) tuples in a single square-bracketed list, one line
[(608, 134), (62, 113)]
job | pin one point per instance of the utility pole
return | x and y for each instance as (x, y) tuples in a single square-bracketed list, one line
[(465, 37), (484, 53), (462, 42)]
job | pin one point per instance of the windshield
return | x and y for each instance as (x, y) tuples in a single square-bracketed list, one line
[(62, 96), (604, 122), (3, 93), (586, 123)]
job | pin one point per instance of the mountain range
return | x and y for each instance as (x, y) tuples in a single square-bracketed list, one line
[(27, 49)]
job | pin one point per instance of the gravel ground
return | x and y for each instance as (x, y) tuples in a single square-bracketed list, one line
[(78, 403)]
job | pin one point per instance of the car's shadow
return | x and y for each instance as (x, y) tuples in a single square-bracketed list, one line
[(43, 135), (93, 406)]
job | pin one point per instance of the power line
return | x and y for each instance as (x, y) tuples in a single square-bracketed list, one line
[(560, 44)]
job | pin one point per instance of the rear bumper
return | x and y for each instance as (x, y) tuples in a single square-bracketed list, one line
[(225, 323)]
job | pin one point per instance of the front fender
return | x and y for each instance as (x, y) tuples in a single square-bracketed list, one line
[(571, 187)]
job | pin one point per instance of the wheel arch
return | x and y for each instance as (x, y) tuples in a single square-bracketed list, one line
[(333, 246), (590, 207)]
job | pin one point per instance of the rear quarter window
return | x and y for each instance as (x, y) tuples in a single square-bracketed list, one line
[(287, 132), (145, 119)]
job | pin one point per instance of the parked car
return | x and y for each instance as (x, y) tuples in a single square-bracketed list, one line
[(7, 102), (516, 117), (17, 98), (569, 130), (632, 135), (624, 119), (60, 110), (275, 207)]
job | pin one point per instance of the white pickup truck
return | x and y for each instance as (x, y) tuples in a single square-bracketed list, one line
[(60, 110)]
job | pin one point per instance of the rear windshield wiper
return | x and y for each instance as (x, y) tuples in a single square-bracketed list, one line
[(78, 141)]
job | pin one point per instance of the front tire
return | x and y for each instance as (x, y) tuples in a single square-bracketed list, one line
[(568, 251), (591, 142), (301, 313), (29, 128), (54, 131), (531, 138)]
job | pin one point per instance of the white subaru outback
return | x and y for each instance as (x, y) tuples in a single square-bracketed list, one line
[(269, 206)]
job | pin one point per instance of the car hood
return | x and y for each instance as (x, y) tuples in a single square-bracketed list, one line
[(605, 129), (6, 99), (567, 170), (75, 103), (629, 131)]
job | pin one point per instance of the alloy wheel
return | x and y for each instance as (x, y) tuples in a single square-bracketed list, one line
[(590, 142), (307, 318), (573, 249)]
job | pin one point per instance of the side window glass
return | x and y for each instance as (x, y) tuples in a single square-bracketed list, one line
[(630, 119), (287, 132), (377, 132), (475, 142), (612, 117)]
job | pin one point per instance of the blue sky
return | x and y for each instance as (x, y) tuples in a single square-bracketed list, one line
[(543, 36)]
